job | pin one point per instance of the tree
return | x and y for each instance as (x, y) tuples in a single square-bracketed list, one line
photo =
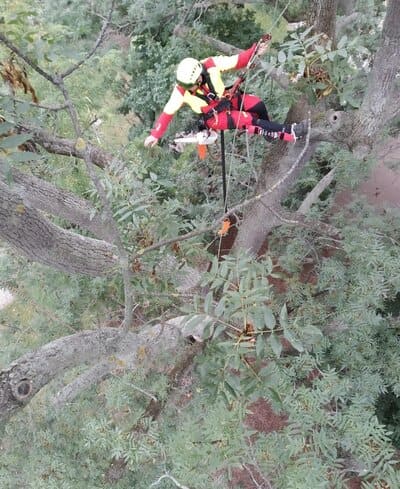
[(307, 334)]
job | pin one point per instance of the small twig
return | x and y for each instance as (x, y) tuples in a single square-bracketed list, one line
[(167, 476), (183, 237), (298, 220), (99, 40), (254, 462), (259, 486), (142, 391)]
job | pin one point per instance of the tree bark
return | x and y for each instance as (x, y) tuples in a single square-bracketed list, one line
[(149, 348), (40, 240), (25, 377), (323, 17), (48, 198), (67, 147), (376, 108)]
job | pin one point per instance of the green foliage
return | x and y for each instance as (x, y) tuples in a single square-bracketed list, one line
[(322, 68), (388, 413), (39, 313), (214, 22), (322, 352), (152, 69), (78, 19)]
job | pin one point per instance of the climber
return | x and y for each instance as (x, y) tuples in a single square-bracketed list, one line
[(199, 84)]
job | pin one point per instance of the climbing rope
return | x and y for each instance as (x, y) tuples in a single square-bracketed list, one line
[(226, 224)]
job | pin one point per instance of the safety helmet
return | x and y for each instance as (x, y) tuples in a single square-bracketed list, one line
[(188, 71)]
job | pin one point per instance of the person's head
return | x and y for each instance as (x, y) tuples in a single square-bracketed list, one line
[(188, 72)]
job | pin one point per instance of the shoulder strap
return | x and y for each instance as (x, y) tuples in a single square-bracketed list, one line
[(210, 85), (211, 95)]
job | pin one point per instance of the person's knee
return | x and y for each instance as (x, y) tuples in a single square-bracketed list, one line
[(261, 110)]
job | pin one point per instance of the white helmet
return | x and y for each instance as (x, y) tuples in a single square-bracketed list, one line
[(188, 71)]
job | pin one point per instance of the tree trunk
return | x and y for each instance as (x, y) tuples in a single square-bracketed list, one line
[(357, 130), (41, 241), (323, 17), (263, 215), (376, 107)]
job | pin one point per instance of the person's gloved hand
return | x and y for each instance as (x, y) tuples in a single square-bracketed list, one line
[(150, 141), (263, 45)]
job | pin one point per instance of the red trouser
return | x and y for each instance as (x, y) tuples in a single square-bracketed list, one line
[(247, 112)]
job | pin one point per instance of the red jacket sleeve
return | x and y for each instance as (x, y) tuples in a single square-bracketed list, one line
[(244, 57), (173, 105), (161, 125)]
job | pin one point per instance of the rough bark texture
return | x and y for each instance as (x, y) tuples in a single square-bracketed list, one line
[(323, 17), (108, 348), (40, 240), (67, 147), (376, 107), (24, 378), (50, 199), (278, 166)]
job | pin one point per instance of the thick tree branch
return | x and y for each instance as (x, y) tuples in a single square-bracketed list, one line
[(148, 349), (50, 199), (86, 152), (91, 377), (25, 377), (324, 17), (382, 82), (66, 147), (40, 240), (393, 110)]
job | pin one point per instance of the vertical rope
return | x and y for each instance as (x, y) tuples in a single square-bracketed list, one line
[(223, 170)]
